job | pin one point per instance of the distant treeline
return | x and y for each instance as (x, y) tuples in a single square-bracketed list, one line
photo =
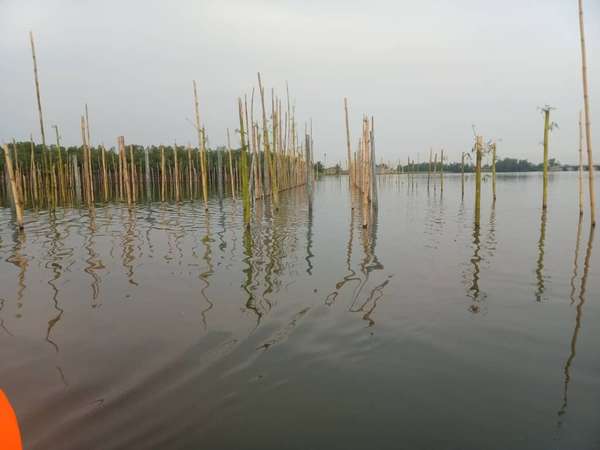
[(24, 154), (502, 165)]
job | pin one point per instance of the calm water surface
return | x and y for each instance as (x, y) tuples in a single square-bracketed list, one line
[(165, 327)]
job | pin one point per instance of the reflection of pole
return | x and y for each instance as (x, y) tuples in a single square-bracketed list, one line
[(578, 319), (540, 262)]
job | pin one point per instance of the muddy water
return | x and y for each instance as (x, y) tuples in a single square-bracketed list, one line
[(165, 327)]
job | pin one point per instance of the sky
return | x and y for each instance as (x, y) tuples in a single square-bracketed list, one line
[(426, 70)]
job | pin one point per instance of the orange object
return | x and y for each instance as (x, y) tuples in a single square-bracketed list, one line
[(10, 437)]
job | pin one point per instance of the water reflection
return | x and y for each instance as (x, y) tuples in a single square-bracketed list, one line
[(204, 276), (539, 267), (127, 243), (93, 262), (55, 256), (2, 325), (474, 291), (351, 273), (578, 315), (21, 262), (367, 303)]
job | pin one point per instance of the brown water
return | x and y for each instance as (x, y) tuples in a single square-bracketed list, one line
[(164, 327)]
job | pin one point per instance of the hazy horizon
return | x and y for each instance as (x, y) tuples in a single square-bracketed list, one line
[(427, 71)]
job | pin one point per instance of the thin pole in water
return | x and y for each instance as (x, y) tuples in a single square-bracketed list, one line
[(586, 103)]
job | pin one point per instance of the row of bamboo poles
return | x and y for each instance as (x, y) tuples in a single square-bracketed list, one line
[(362, 165), (269, 159)]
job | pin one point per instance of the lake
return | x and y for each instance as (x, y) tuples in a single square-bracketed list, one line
[(165, 326)]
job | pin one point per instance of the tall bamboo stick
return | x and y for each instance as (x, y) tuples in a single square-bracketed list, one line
[(348, 142), (38, 95), (244, 168), (230, 166), (546, 133), (125, 170), (13, 185), (494, 171), (462, 175), (201, 147), (104, 174), (163, 174), (586, 103), (580, 170), (478, 158), (176, 172)]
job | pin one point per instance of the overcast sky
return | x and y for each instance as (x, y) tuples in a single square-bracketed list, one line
[(426, 69)]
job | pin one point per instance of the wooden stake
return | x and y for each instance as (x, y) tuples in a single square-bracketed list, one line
[(348, 142), (546, 133), (13, 184), (580, 174), (586, 103)]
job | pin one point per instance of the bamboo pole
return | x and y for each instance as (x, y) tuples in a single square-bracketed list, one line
[(586, 103), (86, 172), (244, 168), (230, 166), (429, 167), (462, 175), (266, 146), (133, 175), (201, 147), (479, 151), (176, 172), (309, 184), (125, 170), (13, 185), (33, 170), (76, 177), (580, 170), (546, 133), (373, 185), (494, 171), (350, 181), (442, 171), (38, 96), (61, 172), (203, 168), (163, 174)]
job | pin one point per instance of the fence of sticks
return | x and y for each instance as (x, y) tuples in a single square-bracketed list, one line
[(269, 157)]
